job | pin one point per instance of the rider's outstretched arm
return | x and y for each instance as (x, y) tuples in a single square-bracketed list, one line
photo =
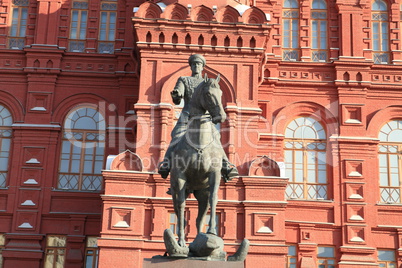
[(178, 91)]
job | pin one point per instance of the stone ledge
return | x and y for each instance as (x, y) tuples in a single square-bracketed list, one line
[(185, 263)]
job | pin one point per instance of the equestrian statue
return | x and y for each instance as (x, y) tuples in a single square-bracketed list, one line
[(184, 89), (196, 162)]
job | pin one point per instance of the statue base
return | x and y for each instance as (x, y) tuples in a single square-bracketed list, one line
[(205, 247), (171, 262)]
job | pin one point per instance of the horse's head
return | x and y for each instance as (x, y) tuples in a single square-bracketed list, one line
[(211, 99)]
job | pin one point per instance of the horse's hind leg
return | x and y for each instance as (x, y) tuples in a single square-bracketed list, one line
[(214, 181), (202, 197), (179, 203)]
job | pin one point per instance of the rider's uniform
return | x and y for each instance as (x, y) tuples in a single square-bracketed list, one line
[(185, 87)]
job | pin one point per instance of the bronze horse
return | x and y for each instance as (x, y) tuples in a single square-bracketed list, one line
[(197, 158)]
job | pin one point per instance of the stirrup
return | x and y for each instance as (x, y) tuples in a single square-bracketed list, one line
[(229, 171), (163, 169)]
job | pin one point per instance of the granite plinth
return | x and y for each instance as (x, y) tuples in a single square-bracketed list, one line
[(186, 263)]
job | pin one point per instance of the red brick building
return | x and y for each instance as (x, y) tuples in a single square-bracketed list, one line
[(312, 90)]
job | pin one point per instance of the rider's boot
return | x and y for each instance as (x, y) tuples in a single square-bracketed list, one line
[(164, 168), (228, 170)]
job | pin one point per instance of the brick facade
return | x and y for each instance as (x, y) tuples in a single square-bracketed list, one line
[(348, 94)]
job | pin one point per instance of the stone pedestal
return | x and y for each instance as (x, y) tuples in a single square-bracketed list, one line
[(185, 263)]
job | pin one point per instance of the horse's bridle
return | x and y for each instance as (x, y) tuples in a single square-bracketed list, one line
[(215, 107)]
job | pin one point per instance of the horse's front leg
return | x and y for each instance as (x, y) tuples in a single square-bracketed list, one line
[(202, 197), (179, 202), (214, 181)]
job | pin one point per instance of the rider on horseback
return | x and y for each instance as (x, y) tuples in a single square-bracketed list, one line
[(184, 89)]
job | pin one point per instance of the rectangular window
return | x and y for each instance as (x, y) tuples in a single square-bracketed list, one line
[(380, 36), (78, 28), (319, 36), (400, 16), (306, 168), (326, 257), (2, 244), (107, 27), (55, 251), (173, 222), (91, 253), (290, 34), (386, 258), (19, 22), (292, 257), (81, 161), (5, 145), (18, 25), (82, 152), (390, 164)]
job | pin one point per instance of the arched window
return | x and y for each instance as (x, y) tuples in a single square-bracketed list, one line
[(82, 153), (319, 40), (305, 159), (290, 22), (390, 162), (6, 121), (379, 18)]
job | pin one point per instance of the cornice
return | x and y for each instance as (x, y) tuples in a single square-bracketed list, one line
[(223, 30)]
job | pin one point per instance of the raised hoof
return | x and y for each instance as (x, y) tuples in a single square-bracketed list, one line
[(229, 171), (169, 191), (172, 247), (164, 169), (241, 252)]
